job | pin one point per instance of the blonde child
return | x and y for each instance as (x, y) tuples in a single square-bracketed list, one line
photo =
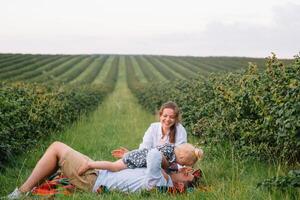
[(183, 154)]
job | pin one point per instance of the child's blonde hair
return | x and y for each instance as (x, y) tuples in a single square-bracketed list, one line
[(190, 152)]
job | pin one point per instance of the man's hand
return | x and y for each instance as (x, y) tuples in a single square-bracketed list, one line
[(119, 153), (164, 163), (84, 167), (165, 174)]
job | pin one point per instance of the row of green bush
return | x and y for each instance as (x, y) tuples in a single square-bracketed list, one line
[(256, 111), (31, 111)]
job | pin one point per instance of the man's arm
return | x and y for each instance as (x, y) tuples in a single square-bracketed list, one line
[(154, 170)]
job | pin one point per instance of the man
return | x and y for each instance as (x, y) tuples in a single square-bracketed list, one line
[(59, 155)]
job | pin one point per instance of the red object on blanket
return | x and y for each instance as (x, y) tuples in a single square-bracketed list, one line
[(57, 184)]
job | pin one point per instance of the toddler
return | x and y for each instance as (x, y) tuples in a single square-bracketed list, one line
[(183, 154)]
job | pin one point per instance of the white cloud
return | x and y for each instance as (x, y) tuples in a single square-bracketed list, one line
[(190, 27)]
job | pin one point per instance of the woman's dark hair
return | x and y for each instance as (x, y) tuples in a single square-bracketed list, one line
[(173, 106)]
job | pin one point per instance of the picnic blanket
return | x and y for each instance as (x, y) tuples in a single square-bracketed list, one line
[(55, 185), (59, 185)]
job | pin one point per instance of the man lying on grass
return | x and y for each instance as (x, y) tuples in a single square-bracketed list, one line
[(59, 155)]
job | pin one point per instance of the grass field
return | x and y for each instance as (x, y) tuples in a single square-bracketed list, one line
[(94, 68), (121, 121)]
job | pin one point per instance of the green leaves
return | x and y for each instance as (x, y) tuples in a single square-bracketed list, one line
[(31, 111), (258, 111), (290, 180)]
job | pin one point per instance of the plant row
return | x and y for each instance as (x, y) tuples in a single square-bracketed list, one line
[(32, 111), (88, 76), (256, 111), (66, 68), (20, 62), (112, 75), (14, 74), (75, 70)]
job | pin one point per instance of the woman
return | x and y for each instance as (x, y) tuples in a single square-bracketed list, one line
[(167, 130)]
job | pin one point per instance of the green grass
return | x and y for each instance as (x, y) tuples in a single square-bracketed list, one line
[(229, 176), (120, 121)]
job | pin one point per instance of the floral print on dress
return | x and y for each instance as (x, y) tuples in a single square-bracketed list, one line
[(138, 158)]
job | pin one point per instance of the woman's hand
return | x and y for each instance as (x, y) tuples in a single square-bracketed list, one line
[(84, 167), (119, 153), (186, 170)]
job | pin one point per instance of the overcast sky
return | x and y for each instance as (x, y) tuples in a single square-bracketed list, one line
[(165, 27)]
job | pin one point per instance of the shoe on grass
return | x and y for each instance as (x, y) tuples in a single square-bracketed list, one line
[(17, 194)]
